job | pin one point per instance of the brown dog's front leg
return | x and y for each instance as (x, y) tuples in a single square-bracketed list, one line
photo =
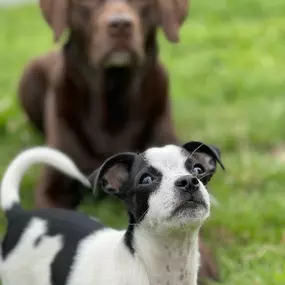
[(32, 91), (208, 268), (56, 190), (33, 87), (163, 131)]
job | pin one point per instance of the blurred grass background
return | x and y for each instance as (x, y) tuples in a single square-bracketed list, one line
[(228, 83)]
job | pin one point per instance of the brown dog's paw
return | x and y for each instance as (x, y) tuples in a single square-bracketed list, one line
[(208, 268)]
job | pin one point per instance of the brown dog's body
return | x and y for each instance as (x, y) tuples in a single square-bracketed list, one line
[(90, 122), (90, 100)]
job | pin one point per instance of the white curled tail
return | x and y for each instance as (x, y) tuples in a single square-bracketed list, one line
[(12, 177)]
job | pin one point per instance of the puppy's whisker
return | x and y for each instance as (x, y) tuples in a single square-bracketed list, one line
[(214, 201), (142, 216), (135, 224), (196, 149), (205, 175)]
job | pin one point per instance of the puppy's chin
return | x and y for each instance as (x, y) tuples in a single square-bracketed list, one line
[(193, 217), (181, 219), (190, 213)]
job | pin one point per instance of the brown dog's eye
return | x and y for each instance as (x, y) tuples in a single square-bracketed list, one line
[(145, 12), (89, 3), (198, 169), (143, 7)]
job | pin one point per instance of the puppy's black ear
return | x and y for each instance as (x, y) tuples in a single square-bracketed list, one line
[(199, 147), (112, 175)]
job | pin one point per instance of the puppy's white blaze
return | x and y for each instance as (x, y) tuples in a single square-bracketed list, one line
[(166, 158), (12, 177)]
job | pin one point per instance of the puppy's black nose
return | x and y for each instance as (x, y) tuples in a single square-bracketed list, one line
[(120, 25), (187, 183)]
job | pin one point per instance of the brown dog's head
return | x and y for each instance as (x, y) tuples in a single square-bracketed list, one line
[(113, 32)]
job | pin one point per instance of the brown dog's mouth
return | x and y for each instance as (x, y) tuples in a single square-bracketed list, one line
[(121, 57), (118, 59)]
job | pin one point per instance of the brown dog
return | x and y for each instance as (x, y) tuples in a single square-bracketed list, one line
[(105, 91)]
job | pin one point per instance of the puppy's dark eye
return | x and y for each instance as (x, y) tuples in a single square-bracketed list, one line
[(198, 169), (146, 179)]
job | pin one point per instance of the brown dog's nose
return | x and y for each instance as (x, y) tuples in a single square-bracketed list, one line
[(187, 183), (120, 25)]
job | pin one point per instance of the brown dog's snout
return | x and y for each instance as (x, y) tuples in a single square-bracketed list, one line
[(120, 25)]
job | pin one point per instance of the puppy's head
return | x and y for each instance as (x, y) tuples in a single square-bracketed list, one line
[(114, 33), (163, 187)]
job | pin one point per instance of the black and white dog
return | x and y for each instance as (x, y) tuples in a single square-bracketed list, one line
[(164, 192)]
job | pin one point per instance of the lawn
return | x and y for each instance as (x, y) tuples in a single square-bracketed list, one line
[(228, 85)]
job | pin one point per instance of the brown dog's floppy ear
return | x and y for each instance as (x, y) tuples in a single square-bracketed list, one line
[(182, 10), (55, 12), (212, 151), (172, 14), (111, 176)]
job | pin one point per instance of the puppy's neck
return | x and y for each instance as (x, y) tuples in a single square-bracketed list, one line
[(169, 258)]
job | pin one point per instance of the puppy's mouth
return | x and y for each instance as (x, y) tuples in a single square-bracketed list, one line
[(190, 204)]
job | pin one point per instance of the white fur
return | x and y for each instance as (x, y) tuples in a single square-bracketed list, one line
[(27, 264), (166, 248), (118, 59), (16, 170), (169, 257), (103, 259), (170, 161)]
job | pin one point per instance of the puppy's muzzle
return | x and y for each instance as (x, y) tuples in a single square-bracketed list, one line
[(187, 183)]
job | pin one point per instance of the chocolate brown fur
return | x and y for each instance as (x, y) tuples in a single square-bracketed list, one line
[(89, 108)]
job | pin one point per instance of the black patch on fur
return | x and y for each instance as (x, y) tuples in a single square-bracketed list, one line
[(136, 197), (18, 227), (72, 226), (129, 235), (74, 232), (38, 240)]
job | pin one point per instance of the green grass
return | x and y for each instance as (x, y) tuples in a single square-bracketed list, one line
[(228, 85)]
